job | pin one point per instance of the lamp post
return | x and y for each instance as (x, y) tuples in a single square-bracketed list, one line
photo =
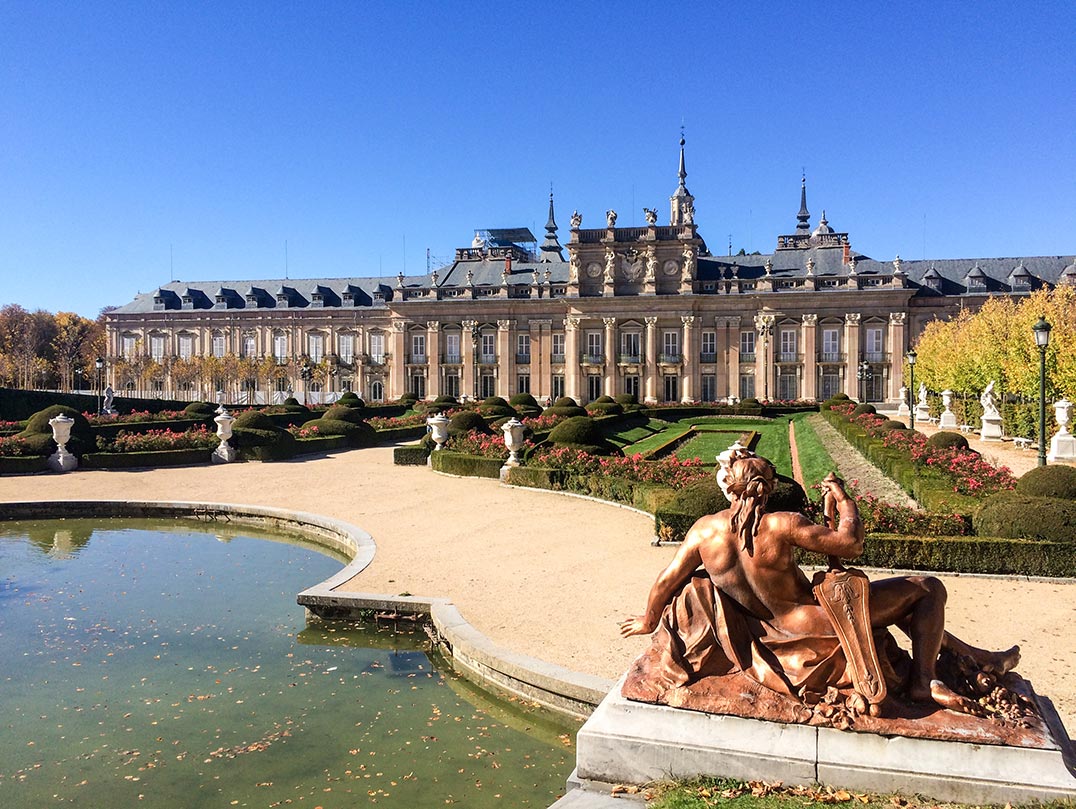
[(865, 374), (911, 357), (78, 380), (99, 364), (1041, 330)]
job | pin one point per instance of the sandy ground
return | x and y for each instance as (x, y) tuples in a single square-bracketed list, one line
[(542, 574)]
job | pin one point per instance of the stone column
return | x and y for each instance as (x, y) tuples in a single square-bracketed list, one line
[(397, 368), (609, 383), (896, 347), (650, 361), (541, 366), (851, 355), (732, 328), (506, 360), (571, 357), (691, 357), (433, 358), (722, 349), (763, 341), (467, 357), (809, 341)]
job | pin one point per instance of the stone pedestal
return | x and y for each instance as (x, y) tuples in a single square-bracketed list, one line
[(902, 408), (627, 742), (947, 421), (991, 429), (1062, 448), (62, 461), (224, 453), (922, 413)]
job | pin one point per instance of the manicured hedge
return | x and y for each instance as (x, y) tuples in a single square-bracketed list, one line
[(323, 443), (410, 456), (391, 434), (22, 464), (965, 555), (21, 404), (137, 460), (1012, 514), (456, 463), (110, 431)]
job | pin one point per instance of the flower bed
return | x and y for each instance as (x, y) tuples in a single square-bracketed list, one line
[(16, 446), (668, 471), (149, 458), (393, 422), (135, 417), (160, 440)]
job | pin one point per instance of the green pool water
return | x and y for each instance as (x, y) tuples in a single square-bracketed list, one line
[(169, 666)]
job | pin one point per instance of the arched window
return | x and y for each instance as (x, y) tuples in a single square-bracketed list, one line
[(377, 391)]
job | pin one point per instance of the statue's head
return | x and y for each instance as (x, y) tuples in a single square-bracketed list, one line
[(749, 484)]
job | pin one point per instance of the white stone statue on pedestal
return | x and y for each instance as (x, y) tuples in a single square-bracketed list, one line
[(948, 417), (109, 396), (991, 429), (62, 460), (1063, 444), (225, 452), (922, 409), (902, 408)]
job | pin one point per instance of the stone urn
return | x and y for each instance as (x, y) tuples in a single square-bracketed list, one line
[(1063, 444), (62, 460), (902, 408), (225, 452), (513, 440), (438, 426), (948, 417)]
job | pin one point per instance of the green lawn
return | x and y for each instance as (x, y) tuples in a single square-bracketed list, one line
[(815, 460)]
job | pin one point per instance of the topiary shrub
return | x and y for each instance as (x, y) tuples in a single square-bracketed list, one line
[(410, 396), (446, 400), (494, 401), (38, 432), (258, 438), (465, 421), (860, 409), (750, 401), (626, 399), (604, 400), (523, 400), (600, 408), (350, 399), (582, 433), (358, 433), (496, 407), (947, 440), (1018, 516), (566, 401), (892, 424), (200, 409), (339, 412), (565, 410), (840, 397), (1049, 481)]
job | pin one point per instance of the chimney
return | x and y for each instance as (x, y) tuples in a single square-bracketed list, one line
[(846, 254), (508, 263)]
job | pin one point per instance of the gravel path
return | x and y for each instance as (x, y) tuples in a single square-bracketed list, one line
[(855, 468)]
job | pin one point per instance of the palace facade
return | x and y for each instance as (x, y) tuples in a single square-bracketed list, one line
[(642, 310)]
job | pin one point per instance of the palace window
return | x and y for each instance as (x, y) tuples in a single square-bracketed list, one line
[(631, 386), (874, 344), (489, 348), (558, 349), (523, 351), (831, 346), (418, 348), (417, 385), (523, 383), (629, 346), (594, 387), (788, 346), (218, 345), (346, 347), (280, 348), (747, 386), (558, 385), (747, 347), (709, 388), (156, 347), (672, 388), (594, 347), (787, 387), (452, 350), (452, 384), (708, 347), (670, 345), (315, 347), (249, 345), (377, 349), (129, 345), (186, 346)]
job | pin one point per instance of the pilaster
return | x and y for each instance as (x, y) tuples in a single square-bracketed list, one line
[(691, 357), (809, 340), (732, 330), (851, 354), (468, 349), (895, 345), (651, 361), (433, 357), (571, 357), (397, 369), (541, 367), (506, 360), (609, 383)]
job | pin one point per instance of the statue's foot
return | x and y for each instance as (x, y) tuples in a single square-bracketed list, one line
[(1001, 662), (941, 694)]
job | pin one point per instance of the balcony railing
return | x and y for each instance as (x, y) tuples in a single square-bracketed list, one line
[(592, 359), (707, 356), (788, 356), (523, 359), (876, 356), (629, 359), (671, 359), (556, 359), (747, 356), (831, 356), (417, 359), (487, 359)]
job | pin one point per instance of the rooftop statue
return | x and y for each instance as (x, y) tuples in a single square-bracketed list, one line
[(739, 628), (610, 218)]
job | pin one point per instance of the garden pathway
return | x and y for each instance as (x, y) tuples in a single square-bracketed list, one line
[(855, 469), (540, 573)]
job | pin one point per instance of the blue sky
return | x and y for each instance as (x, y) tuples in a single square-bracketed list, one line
[(364, 133)]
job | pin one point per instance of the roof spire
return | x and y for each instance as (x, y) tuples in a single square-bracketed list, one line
[(682, 204), (803, 218), (550, 250), (683, 171)]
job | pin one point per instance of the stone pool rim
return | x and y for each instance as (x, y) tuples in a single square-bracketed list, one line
[(569, 694)]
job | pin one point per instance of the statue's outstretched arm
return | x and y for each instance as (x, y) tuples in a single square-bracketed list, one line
[(686, 562), (845, 540)]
